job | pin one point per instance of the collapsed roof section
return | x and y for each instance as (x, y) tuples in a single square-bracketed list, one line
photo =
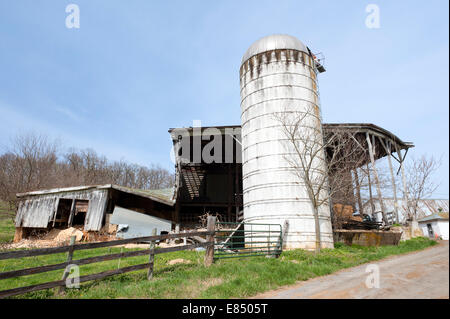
[(164, 196), (89, 207)]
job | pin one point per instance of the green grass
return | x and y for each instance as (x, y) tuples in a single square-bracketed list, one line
[(7, 228), (226, 278)]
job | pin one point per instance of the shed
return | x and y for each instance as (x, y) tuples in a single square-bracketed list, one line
[(88, 207), (435, 225)]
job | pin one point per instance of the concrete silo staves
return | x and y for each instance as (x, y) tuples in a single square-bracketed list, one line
[(278, 74)]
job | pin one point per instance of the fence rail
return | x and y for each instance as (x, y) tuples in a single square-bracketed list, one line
[(221, 242), (63, 249), (84, 261)]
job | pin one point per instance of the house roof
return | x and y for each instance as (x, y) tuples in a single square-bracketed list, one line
[(436, 216), (164, 196)]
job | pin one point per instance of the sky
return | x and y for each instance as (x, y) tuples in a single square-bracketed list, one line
[(134, 69)]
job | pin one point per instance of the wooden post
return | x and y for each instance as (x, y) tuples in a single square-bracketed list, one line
[(69, 259), (405, 189), (72, 213), (388, 148), (372, 206), (229, 193), (358, 193), (118, 263), (18, 235), (209, 255), (377, 180), (151, 259), (394, 187), (55, 211), (236, 192)]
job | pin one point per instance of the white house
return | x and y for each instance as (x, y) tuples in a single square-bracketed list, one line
[(435, 225)]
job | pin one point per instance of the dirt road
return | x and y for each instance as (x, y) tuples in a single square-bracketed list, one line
[(423, 274)]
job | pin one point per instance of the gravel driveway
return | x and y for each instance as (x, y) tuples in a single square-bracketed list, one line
[(423, 274)]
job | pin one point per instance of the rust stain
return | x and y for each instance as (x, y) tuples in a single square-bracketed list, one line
[(278, 54), (287, 55), (296, 55), (250, 65), (259, 63)]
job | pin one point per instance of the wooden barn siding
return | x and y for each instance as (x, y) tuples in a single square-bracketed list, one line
[(38, 211)]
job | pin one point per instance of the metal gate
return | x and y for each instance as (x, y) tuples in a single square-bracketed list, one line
[(236, 240)]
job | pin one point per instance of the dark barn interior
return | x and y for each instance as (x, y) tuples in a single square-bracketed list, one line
[(213, 187)]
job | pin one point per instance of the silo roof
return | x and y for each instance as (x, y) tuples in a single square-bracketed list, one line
[(273, 42)]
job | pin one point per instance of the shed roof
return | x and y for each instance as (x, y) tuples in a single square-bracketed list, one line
[(164, 196), (437, 216)]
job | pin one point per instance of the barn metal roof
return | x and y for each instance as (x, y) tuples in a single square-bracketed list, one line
[(355, 127), (368, 127), (164, 196)]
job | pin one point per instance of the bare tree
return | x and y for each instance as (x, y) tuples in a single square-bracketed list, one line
[(33, 162), (368, 197), (419, 182), (321, 164), (28, 165)]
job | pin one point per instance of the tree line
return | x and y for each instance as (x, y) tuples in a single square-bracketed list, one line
[(34, 162)]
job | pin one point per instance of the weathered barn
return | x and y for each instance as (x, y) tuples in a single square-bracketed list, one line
[(203, 184), (215, 185), (89, 207)]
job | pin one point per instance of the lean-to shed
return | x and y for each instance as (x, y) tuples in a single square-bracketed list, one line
[(88, 206)]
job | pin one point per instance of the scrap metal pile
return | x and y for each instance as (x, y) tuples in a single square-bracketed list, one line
[(366, 224)]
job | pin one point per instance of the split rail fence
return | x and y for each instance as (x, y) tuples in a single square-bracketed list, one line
[(151, 252), (215, 240)]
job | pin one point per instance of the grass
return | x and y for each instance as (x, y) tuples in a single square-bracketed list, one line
[(7, 228), (226, 278)]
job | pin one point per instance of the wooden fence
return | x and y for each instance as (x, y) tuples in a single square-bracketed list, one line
[(209, 255)]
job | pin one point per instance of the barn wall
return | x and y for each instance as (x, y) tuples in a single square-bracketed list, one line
[(37, 211)]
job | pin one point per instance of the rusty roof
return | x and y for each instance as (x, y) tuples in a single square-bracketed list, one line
[(354, 127)]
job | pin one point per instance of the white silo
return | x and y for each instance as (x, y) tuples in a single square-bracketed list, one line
[(278, 74)]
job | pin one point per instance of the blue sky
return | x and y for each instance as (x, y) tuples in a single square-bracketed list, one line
[(136, 68)]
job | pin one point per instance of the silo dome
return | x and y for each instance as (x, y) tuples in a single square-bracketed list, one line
[(273, 42), (278, 74)]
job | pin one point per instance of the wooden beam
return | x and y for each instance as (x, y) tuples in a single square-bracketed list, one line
[(377, 180), (209, 254), (72, 212), (358, 193), (394, 186), (405, 189), (229, 192), (372, 206)]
